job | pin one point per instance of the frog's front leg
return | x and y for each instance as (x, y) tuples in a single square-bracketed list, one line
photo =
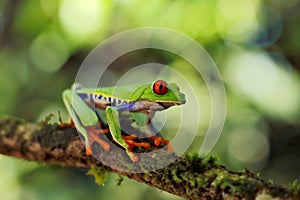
[(85, 120), (112, 117), (127, 142)]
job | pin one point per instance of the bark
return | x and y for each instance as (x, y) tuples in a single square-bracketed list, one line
[(189, 176)]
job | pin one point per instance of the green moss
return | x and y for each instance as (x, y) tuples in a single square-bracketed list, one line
[(99, 173), (295, 185), (47, 119), (120, 180), (175, 176), (191, 156), (220, 177)]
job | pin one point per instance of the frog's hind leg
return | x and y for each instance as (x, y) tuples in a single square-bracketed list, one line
[(85, 120)]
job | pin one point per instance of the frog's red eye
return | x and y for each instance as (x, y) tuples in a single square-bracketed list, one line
[(160, 87)]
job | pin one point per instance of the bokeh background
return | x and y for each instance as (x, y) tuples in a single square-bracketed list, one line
[(254, 43)]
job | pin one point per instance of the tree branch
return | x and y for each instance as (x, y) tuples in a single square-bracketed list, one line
[(190, 177)]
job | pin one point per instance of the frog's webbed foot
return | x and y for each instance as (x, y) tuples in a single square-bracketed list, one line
[(131, 144), (93, 136), (158, 140)]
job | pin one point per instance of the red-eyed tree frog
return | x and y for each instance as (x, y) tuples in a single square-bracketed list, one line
[(90, 106)]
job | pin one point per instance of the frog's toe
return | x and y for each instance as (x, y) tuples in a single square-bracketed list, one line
[(131, 143), (105, 145), (94, 137), (157, 140), (133, 157), (88, 151)]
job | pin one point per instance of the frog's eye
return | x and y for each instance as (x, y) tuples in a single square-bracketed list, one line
[(160, 87)]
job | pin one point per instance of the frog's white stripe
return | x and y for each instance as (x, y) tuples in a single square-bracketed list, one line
[(112, 100)]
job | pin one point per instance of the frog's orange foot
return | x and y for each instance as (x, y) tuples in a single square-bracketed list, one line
[(67, 124), (159, 140), (133, 157), (93, 136), (131, 143)]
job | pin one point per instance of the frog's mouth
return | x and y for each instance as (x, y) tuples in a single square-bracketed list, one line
[(168, 104)]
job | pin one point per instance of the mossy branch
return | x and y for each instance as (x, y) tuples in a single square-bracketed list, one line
[(190, 177)]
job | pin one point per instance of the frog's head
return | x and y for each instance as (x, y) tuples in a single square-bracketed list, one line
[(161, 92)]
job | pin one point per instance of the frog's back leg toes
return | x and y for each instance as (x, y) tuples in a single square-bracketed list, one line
[(158, 140), (93, 136)]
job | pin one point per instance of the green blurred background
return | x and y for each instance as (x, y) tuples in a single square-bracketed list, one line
[(254, 43)]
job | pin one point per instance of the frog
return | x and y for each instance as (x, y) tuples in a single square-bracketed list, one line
[(89, 108)]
